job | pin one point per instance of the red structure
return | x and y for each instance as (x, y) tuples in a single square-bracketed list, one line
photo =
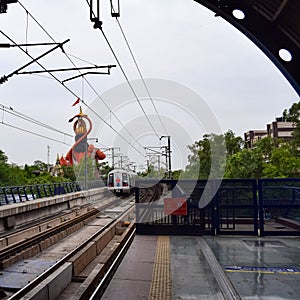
[(77, 152)]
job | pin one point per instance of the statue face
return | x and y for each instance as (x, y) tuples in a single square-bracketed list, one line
[(80, 126)]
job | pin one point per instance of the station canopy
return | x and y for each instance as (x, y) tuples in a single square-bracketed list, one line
[(273, 25)]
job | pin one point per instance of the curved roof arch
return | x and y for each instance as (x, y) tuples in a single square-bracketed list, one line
[(273, 25)]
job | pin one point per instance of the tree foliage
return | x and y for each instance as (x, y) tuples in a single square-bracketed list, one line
[(207, 158), (13, 175), (270, 158), (246, 163), (214, 156)]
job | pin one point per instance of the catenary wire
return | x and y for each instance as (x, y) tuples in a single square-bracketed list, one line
[(67, 55), (32, 120), (34, 133), (130, 85), (99, 97), (125, 76), (140, 73), (116, 131), (54, 77)]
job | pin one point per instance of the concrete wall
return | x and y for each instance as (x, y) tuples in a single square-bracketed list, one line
[(17, 214)]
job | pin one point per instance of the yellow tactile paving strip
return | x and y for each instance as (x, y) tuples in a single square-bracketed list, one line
[(161, 286)]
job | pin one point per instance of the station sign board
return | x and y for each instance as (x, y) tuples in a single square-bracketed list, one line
[(175, 206)]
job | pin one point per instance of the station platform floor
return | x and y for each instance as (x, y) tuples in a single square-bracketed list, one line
[(210, 267)]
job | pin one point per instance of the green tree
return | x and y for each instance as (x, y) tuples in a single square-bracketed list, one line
[(104, 169), (248, 163), (282, 163), (207, 158), (199, 160), (10, 175), (3, 168), (292, 114), (266, 146), (176, 174), (233, 143), (68, 173)]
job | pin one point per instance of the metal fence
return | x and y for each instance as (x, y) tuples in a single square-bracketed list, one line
[(234, 206), (279, 206), (17, 194)]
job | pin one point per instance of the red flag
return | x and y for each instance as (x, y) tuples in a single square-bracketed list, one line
[(76, 102)]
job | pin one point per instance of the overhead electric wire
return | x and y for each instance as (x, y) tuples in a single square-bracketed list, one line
[(37, 62), (76, 97), (140, 73), (79, 58), (35, 20), (32, 120), (130, 85), (125, 76), (67, 55), (116, 131), (34, 133), (89, 86)]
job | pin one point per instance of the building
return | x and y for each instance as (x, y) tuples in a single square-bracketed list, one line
[(281, 129), (253, 136), (277, 129)]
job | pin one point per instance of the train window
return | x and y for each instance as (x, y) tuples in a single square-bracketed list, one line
[(124, 179), (111, 180)]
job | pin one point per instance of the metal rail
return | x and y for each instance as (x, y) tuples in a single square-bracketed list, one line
[(16, 194), (22, 292), (111, 271), (13, 249)]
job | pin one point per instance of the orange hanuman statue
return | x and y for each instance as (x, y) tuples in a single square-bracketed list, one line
[(77, 152)]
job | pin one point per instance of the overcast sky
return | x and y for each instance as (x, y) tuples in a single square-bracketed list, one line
[(175, 40)]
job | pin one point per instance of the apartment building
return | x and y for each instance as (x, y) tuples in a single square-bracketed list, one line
[(277, 129)]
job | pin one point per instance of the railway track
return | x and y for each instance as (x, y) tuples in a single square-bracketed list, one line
[(77, 273), (149, 195), (51, 239), (31, 240)]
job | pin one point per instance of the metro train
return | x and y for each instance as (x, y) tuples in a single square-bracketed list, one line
[(121, 181)]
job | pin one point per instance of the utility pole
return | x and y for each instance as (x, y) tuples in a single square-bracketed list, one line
[(123, 159), (154, 153), (168, 155), (113, 155)]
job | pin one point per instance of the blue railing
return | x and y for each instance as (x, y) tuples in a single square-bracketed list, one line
[(17, 194), (238, 206)]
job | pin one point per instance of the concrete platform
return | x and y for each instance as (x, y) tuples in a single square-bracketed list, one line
[(133, 277), (222, 267), (260, 268)]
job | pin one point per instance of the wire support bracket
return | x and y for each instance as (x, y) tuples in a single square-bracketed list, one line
[(4, 78), (95, 11), (92, 73)]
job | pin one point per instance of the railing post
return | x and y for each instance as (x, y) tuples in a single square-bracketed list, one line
[(255, 204), (261, 230), (215, 215)]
